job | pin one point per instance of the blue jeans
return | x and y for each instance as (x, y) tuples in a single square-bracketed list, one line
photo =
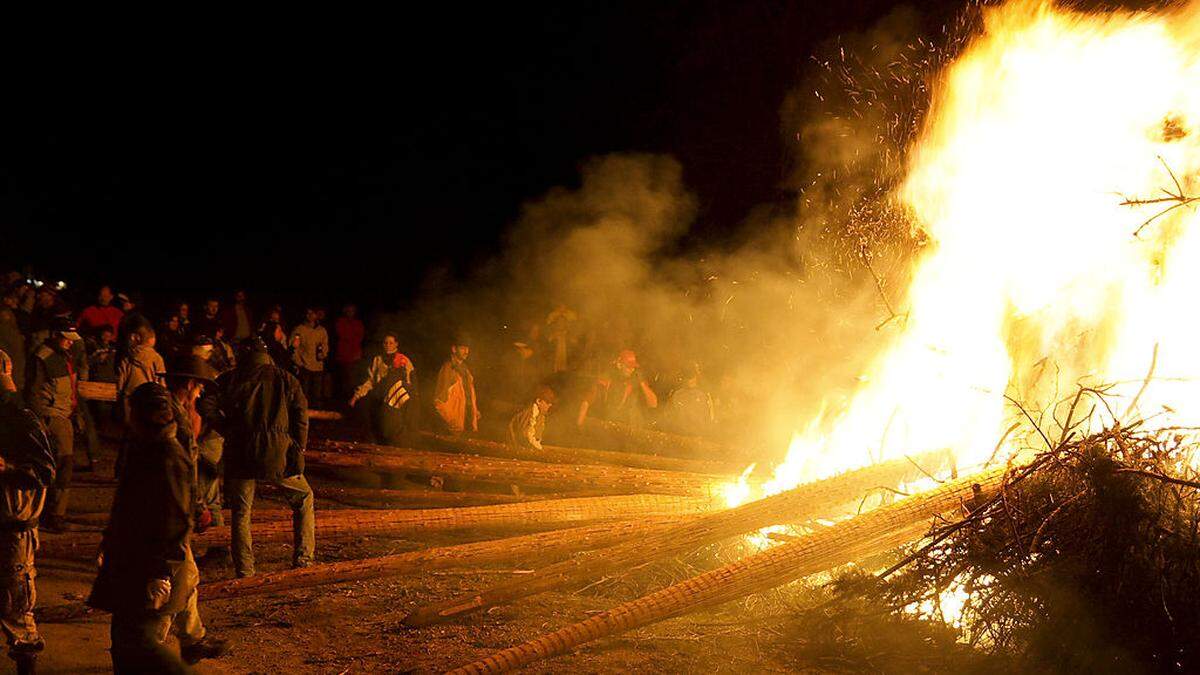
[(240, 492)]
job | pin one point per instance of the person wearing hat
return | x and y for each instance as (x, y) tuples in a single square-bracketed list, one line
[(187, 379), (266, 431), (147, 576), (454, 395), (27, 469), (50, 391), (528, 425), (620, 396)]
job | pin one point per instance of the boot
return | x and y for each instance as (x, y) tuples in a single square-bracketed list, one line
[(207, 648)]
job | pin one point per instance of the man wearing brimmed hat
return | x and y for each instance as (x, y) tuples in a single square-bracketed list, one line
[(26, 471), (50, 390), (188, 378), (147, 575), (266, 431)]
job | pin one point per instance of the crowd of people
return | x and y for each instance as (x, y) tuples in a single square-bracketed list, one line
[(210, 404)]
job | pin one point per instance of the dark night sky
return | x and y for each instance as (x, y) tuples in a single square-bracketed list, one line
[(348, 155)]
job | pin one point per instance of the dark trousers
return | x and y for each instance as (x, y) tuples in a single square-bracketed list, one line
[(313, 384), (62, 433)]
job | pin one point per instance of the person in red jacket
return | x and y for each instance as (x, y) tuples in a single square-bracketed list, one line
[(348, 331), (103, 313)]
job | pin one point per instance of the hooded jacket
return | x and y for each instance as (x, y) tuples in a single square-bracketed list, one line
[(29, 465), (149, 528), (266, 421)]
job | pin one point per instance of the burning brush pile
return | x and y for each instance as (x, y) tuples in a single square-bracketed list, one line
[(1085, 560)]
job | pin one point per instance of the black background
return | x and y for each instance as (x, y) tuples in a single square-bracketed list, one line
[(344, 156)]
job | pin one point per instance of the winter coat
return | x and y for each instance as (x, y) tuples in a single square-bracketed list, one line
[(149, 527), (266, 421), (395, 373), (50, 383), (526, 428), (454, 398), (29, 465), (142, 365), (12, 342), (95, 317), (350, 333), (229, 321)]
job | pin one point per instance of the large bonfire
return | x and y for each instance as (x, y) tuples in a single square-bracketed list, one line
[(1051, 185)]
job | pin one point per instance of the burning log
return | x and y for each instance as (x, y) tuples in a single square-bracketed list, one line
[(565, 455), (349, 524), (852, 539), (805, 502), (554, 477)]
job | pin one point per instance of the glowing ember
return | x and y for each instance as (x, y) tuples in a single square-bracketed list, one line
[(1033, 281)]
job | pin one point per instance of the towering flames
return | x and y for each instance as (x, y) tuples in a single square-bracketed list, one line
[(1033, 281)]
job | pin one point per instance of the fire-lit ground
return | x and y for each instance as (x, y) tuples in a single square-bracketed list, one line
[(355, 627)]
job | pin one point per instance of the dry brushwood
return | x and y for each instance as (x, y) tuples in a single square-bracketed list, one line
[(1092, 563)]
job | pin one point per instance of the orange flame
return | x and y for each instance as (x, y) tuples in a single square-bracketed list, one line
[(1044, 138)]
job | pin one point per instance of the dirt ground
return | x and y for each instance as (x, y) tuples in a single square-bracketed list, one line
[(355, 627)]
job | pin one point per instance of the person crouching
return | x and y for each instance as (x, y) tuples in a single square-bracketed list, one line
[(147, 576), (528, 425)]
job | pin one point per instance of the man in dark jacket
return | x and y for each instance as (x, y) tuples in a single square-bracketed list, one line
[(266, 431), (147, 575), (148, 578), (26, 470), (50, 390)]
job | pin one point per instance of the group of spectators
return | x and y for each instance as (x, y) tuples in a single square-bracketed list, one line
[(209, 403)]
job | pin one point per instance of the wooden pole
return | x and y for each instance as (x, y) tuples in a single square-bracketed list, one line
[(411, 499), (351, 523), (565, 455), (96, 391), (539, 475), (522, 550), (849, 540), (635, 439), (808, 501)]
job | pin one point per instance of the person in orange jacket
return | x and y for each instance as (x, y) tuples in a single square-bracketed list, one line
[(454, 397)]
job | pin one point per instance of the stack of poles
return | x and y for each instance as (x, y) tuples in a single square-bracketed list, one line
[(638, 508), (859, 537)]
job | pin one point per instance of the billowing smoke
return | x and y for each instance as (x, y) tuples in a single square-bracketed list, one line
[(780, 327)]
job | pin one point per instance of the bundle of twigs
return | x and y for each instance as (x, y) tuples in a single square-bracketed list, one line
[(1092, 563)]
